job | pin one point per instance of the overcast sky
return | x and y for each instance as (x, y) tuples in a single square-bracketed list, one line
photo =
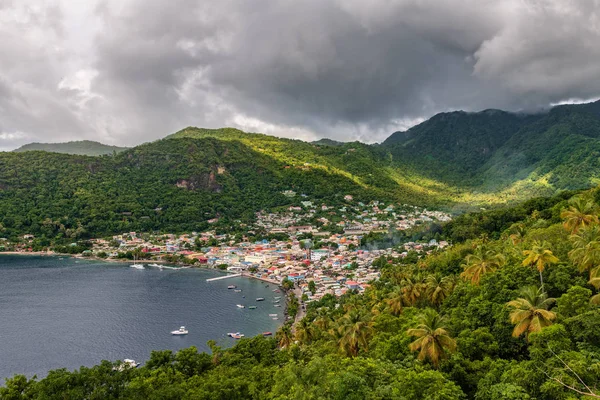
[(129, 71)]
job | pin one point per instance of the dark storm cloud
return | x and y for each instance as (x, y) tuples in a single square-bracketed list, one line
[(345, 69)]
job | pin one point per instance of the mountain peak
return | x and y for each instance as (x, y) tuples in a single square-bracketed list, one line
[(78, 147)]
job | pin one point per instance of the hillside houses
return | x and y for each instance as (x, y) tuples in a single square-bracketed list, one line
[(287, 248)]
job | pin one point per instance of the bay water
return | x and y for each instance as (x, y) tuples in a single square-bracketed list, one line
[(62, 312)]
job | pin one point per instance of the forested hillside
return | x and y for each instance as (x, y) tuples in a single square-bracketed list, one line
[(495, 151), (510, 311), (82, 147), (179, 183), (456, 161), (455, 145)]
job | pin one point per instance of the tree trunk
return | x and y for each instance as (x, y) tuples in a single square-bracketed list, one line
[(541, 280)]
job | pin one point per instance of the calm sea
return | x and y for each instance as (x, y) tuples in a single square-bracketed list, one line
[(62, 312)]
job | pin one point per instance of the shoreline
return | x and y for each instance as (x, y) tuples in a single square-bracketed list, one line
[(30, 253), (125, 261), (243, 274)]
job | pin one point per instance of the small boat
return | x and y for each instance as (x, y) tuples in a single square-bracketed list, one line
[(180, 331), (275, 318), (155, 265), (272, 315), (277, 305), (252, 307), (237, 290), (236, 335), (276, 290), (126, 364), (276, 297), (231, 287), (276, 301), (260, 299), (131, 363), (136, 265), (267, 333), (240, 306)]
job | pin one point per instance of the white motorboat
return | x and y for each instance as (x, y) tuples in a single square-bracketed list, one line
[(235, 335), (240, 306), (136, 265), (126, 364), (131, 363), (180, 331), (155, 265)]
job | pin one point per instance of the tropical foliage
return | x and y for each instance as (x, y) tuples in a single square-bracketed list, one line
[(530, 311), (418, 332), (456, 161), (432, 339)]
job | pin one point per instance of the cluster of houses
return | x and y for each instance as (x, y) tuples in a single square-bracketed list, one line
[(353, 218), (304, 242), (335, 269)]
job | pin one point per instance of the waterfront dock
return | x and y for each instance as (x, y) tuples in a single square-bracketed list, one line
[(223, 277)]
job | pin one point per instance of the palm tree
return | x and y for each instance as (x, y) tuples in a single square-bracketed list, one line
[(586, 248), (530, 311), (323, 321), (437, 289), (582, 212), (305, 331), (433, 341), (595, 282), (539, 256), (411, 291), (284, 336), (354, 331), (395, 302), (595, 278), (517, 232), (480, 263)]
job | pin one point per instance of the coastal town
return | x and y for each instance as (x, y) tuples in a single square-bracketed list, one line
[(318, 247)]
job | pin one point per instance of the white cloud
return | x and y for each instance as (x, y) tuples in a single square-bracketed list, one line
[(128, 71)]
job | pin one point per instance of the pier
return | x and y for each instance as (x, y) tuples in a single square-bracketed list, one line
[(223, 277)]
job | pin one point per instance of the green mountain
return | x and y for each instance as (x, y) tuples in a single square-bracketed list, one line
[(456, 161), (499, 152), (179, 183), (455, 145), (82, 147), (561, 149), (327, 142)]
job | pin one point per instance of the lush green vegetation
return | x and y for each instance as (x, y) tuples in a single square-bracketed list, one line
[(454, 161), (171, 185), (495, 151), (510, 314), (82, 147), (455, 145), (180, 183)]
